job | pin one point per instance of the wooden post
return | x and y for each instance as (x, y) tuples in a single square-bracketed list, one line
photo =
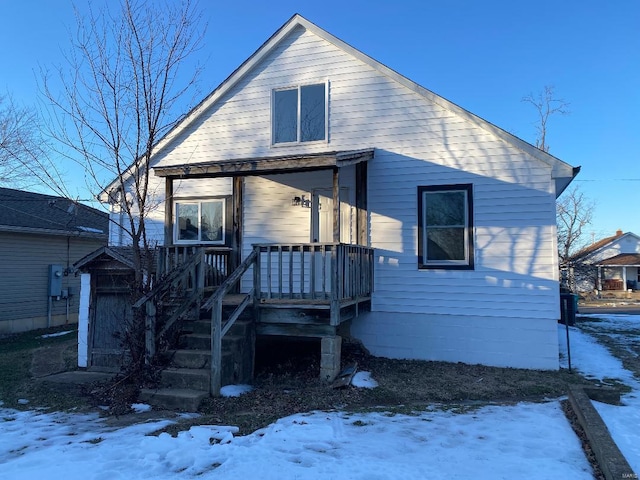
[(336, 205), (168, 211), (334, 312), (257, 285), (150, 331), (362, 228), (236, 239), (216, 347)]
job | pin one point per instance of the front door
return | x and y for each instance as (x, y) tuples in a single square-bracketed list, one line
[(322, 216)]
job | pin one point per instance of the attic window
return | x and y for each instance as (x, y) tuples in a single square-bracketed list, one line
[(299, 114)]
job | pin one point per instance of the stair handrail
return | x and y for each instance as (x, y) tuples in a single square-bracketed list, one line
[(164, 283), (217, 330), (162, 287)]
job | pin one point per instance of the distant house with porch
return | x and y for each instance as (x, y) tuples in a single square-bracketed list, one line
[(360, 203), (610, 265), (41, 236)]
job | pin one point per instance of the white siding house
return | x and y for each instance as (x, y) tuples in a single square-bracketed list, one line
[(610, 264), (460, 214)]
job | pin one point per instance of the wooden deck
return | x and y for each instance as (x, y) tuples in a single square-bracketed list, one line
[(300, 317), (302, 290)]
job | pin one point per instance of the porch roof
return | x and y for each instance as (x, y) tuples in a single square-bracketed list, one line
[(622, 260), (266, 165)]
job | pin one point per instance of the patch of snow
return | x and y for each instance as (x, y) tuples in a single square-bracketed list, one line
[(363, 380), (140, 407), (520, 441), (59, 334), (23, 401), (235, 390)]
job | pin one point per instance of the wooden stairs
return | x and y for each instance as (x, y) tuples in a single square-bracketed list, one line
[(187, 379)]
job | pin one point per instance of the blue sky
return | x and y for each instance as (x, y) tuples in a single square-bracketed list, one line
[(482, 55)]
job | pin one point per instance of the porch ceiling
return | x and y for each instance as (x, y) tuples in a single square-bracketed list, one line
[(266, 165)]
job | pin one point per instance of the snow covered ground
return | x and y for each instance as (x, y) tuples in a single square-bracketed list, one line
[(594, 360), (528, 440)]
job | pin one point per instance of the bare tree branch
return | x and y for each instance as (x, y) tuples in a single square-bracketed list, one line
[(574, 213), (121, 81), (546, 105), (25, 160)]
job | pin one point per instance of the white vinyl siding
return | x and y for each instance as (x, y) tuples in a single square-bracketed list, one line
[(416, 142)]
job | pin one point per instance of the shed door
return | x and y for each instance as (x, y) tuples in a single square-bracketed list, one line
[(110, 315)]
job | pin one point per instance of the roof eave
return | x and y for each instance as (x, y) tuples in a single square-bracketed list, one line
[(49, 231)]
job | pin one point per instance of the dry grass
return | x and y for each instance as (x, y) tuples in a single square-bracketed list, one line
[(289, 384)]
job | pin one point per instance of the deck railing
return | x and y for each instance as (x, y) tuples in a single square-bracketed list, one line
[(216, 260), (324, 272), (315, 271)]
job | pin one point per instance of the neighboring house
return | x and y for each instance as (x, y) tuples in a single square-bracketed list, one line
[(41, 236), (310, 143), (611, 264)]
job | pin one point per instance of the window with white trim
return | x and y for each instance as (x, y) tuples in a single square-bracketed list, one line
[(199, 221), (299, 114), (445, 227)]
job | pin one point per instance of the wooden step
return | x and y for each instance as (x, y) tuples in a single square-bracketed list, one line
[(188, 358), (186, 378), (182, 399), (202, 341), (240, 327)]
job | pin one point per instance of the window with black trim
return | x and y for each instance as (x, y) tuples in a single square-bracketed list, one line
[(445, 226), (299, 114), (200, 221)]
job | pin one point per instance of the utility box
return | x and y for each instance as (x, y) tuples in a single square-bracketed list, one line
[(56, 272)]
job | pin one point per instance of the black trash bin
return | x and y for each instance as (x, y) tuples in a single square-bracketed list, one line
[(568, 308)]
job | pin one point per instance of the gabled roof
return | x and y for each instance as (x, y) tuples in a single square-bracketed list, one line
[(602, 243), (28, 212), (124, 255), (562, 172)]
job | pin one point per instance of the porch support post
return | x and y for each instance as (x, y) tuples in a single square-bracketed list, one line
[(336, 205), (599, 279), (362, 214), (624, 278), (236, 239), (330, 357), (168, 212)]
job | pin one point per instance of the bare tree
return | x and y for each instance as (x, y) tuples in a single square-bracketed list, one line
[(120, 83), (546, 105), (24, 153), (574, 213)]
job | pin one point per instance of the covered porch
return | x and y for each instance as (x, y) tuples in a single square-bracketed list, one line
[(292, 288), (619, 274)]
